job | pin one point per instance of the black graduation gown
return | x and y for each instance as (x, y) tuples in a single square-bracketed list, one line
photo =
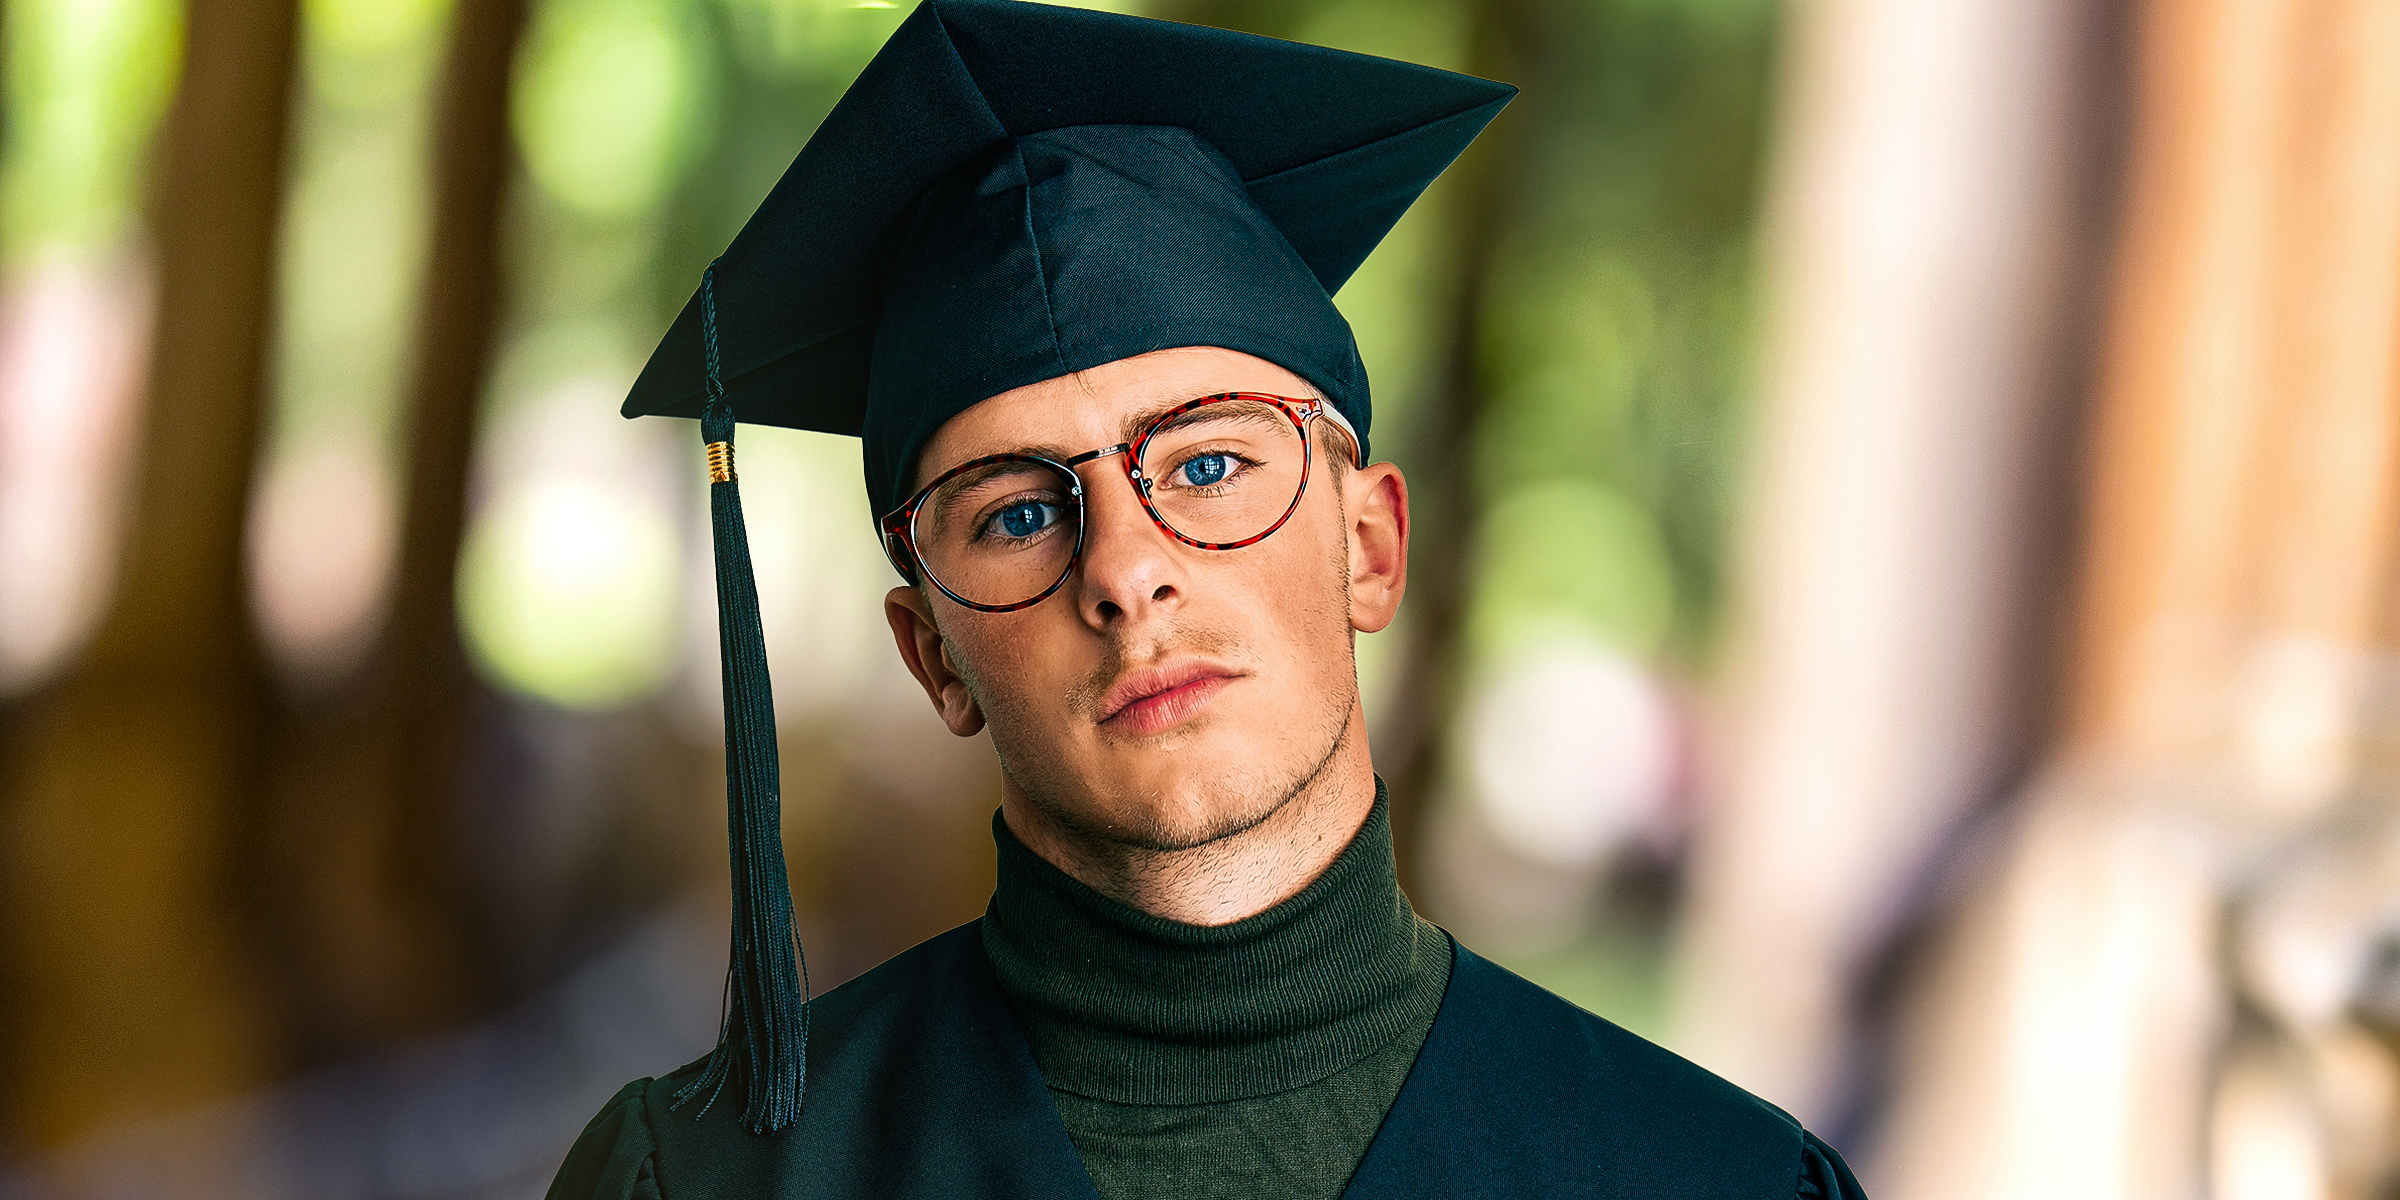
[(920, 1085)]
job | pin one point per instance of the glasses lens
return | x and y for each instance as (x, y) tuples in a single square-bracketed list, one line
[(999, 534), (1225, 472)]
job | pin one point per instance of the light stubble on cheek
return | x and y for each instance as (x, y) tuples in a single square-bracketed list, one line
[(1250, 761)]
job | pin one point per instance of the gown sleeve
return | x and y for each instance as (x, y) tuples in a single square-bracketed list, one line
[(615, 1158), (1823, 1174)]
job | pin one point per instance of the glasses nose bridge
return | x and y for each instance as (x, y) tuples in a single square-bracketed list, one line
[(1131, 469)]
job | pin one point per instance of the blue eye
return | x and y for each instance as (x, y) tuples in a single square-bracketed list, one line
[(1206, 469), (1026, 518)]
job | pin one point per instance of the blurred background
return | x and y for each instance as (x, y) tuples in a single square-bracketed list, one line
[(1904, 611)]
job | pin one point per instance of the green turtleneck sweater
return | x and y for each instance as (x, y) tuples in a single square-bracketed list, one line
[(1251, 1060)]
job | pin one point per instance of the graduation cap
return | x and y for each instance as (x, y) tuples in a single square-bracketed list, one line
[(1012, 192)]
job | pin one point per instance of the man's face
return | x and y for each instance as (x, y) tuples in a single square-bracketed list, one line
[(1166, 696)]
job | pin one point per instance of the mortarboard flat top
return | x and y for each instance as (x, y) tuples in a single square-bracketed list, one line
[(951, 193)]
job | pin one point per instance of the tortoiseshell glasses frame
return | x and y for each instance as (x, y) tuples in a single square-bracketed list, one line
[(899, 526)]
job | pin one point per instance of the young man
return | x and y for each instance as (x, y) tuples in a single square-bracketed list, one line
[(1069, 275)]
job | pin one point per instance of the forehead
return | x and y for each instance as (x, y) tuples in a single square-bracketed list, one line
[(1089, 409)]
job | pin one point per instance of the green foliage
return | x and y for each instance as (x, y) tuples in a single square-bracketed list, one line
[(87, 81), (370, 55), (367, 29), (1569, 551), (354, 231), (782, 38), (613, 102), (1613, 346), (1432, 32)]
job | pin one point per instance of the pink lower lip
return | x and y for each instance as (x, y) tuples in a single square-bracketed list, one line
[(1163, 710)]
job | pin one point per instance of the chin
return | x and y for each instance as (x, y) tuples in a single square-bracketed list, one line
[(1168, 826), (1165, 799)]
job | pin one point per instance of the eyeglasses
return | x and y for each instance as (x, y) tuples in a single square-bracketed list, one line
[(1003, 532)]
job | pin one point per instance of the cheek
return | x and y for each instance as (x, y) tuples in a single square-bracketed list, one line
[(1303, 593), (1002, 657)]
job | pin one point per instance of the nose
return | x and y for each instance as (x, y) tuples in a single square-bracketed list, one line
[(1131, 570)]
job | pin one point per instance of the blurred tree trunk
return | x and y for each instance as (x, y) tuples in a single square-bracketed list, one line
[(368, 902), (456, 325), (132, 990), (2224, 761), (1445, 504)]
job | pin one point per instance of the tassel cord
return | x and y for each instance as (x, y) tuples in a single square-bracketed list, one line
[(763, 1033)]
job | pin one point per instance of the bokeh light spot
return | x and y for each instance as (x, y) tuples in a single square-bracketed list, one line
[(1572, 750), (610, 104), (324, 530), (567, 592)]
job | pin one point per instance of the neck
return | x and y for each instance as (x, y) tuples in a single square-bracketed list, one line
[(1236, 876)]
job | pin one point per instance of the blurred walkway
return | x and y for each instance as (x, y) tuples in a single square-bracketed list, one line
[(482, 1115)]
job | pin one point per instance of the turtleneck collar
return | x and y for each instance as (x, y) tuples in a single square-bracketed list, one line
[(1124, 1006)]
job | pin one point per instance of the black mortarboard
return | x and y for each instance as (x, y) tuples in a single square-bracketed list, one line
[(1012, 192)]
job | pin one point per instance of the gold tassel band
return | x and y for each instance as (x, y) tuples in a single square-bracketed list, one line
[(720, 462)]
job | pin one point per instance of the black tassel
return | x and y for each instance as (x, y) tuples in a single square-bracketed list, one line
[(763, 1036)]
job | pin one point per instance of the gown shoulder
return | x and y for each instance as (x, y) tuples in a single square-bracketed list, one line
[(918, 1084), (616, 1156), (1823, 1174), (1565, 1103)]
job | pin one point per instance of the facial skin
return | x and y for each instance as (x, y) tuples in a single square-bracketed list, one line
[(1178, 728)]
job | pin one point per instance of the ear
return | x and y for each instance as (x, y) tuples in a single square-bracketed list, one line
[(928, 658), (1378, 513)]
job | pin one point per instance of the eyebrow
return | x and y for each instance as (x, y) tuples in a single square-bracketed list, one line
[(1127, 430)]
